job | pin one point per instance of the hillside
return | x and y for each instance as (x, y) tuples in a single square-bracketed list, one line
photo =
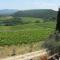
[(7, 11), (37, 13), (40, 13)]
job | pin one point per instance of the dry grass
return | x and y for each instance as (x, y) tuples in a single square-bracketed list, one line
[(6, 51)]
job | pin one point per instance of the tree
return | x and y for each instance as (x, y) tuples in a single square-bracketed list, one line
[(58, 21)]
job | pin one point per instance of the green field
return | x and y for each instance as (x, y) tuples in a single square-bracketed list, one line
[(24, 38), (26, 33)]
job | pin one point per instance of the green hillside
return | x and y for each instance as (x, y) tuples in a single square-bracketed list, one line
[(39, 13)]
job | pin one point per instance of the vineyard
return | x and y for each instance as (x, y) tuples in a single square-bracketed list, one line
[(24, 38), (26, 33)]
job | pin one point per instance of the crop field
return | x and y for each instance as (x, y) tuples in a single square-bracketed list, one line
[(26, 33), (24, 38)]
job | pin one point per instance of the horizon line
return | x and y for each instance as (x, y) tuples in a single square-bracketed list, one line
[(25, 9)]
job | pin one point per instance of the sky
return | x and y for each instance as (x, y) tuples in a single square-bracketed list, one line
[(29, 4)]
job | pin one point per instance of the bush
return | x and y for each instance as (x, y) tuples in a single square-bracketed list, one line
[(37, 21), (52, 44), (12, 22)]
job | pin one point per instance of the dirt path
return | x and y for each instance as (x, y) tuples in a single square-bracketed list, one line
[(27, 56)]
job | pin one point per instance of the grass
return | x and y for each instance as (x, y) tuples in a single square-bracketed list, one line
[(24, 38), (25, 34), (7, 51)]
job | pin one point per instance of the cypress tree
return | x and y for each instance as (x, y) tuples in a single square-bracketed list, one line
[(58, 21)]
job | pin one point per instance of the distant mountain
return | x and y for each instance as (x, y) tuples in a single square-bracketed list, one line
[(40, 13), (7, 11)]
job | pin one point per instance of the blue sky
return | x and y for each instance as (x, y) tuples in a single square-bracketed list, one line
[(29, 4)]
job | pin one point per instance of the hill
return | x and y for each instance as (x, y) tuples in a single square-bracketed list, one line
[(39, 13), (7, 11)]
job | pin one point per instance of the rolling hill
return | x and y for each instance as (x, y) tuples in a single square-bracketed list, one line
[(39, 13)]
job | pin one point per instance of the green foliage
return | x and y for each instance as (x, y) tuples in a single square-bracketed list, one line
[(24, 30), (10, 22), (37, 21), (26, 33), (13, 21)]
